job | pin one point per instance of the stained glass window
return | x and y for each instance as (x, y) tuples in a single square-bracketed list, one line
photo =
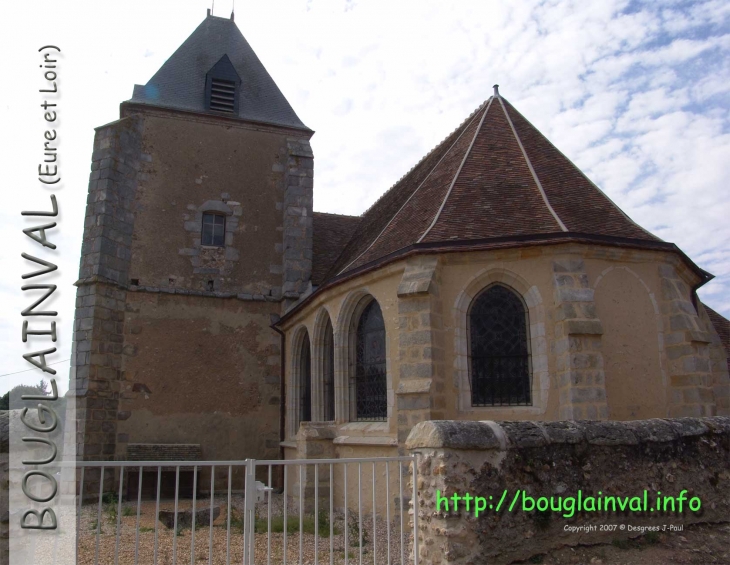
[(328, 376), (371, 400), (305, 382), (499, 355)]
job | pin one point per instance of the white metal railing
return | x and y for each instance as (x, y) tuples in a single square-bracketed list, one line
[(312, 517)]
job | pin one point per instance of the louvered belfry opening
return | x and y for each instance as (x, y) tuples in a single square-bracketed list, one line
[(222, 86), (222, 95), (499, 351)]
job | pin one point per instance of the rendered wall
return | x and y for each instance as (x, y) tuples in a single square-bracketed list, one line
[(635, 385), (613, 335), (200, 370)]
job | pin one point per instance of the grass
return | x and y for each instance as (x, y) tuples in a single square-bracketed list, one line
[(129, 511), (309, 525), (145, 529), (111, 512), (353, 531), (109, 498)]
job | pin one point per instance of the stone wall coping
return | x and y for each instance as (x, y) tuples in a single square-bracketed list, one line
[(475, 435), (367, 440)]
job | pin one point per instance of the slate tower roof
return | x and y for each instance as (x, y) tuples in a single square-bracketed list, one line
[(495, 181), (181, 82)]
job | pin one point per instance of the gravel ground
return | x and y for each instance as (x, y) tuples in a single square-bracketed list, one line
[(166, 539)]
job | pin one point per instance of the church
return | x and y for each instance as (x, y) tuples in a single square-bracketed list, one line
[(219, 317)]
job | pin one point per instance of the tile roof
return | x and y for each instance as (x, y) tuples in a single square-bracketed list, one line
[(496, 176), (722, 327), (331, 232), (180, 82)]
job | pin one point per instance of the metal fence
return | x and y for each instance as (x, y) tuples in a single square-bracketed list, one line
[(308, 511)]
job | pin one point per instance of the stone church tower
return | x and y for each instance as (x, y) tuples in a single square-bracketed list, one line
[(198, 229)]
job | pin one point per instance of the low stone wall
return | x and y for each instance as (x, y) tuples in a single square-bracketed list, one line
[(559, 459), (4, 486)]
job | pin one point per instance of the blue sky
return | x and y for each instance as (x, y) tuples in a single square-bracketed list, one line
[(637, 94)]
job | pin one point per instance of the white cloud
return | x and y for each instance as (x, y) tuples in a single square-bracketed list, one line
[(635, 93)]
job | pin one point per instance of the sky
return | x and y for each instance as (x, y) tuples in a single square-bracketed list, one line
[(637, 94)]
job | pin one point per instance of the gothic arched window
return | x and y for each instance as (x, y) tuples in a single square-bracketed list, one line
[(498, 349), (305, 381), (371, 394), (328, 372)]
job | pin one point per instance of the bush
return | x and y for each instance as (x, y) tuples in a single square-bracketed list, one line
[(353, 531)]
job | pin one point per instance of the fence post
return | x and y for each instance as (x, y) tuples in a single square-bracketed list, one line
[(415, 509), (250, 512)]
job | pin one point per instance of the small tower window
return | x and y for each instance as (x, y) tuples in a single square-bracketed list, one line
[(222, 87), (214, 230)]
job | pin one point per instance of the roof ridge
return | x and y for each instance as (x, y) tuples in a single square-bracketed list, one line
[(458, 171), (377, 237), (529, 165), (422, 159), (585, 176)]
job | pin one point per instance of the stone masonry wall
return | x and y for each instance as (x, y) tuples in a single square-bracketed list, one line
[(298, 202), (128, 159), (581, 379), (559, 459), (419, 395), (687, 347), (718, 367), (100, 299), (314, 441)]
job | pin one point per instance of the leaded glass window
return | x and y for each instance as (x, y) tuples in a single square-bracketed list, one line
[(328, 373), (305, 381), (371, 399), (214, 230), (499, 354)]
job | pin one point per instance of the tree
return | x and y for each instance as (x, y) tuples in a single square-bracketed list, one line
[(13, 396)]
